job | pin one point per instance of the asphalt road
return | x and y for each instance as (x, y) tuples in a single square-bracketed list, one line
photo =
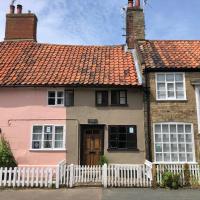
[(99, 194)]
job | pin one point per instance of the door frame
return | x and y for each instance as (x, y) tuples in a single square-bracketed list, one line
[(82, 128)]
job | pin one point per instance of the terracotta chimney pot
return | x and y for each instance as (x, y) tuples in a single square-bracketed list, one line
[(19, 9), (12, 9)]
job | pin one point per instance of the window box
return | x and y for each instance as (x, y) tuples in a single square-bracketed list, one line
[(170, 86)]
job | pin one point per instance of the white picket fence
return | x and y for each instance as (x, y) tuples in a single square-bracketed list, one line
[(113, 175), (27, 177), (194, 170)]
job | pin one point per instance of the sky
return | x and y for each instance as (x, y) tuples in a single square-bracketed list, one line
[(101, 22)]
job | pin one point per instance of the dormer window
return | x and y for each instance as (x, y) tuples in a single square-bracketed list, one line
[(170, 86)]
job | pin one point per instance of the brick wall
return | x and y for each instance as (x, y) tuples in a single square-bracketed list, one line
[(21, 26), (175, 111)]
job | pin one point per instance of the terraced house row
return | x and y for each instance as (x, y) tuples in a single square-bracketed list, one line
[(129, 102)]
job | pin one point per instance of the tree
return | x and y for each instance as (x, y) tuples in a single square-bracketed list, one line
[(6, 156)]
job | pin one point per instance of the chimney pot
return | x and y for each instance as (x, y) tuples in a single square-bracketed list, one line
[(19, 9), (137, 3), (12, 9), (130, 3)]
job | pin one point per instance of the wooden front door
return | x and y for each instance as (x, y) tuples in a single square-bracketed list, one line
[(92, 147)]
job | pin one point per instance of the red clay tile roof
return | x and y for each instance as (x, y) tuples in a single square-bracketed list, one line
[(177, 54), (34, 64)]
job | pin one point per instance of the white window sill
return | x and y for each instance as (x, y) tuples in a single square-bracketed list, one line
[(171, 99), (174, 163), (48, 150)]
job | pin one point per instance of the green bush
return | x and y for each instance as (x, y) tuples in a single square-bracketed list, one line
[(170, 180), (103, 160), (187, 175), (6, 156)]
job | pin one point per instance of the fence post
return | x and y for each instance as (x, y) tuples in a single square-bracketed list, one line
[(57, 176), (154, 176), (71, 176), (104, 175)]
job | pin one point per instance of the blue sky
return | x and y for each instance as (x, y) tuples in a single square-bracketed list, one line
[(100, 22)]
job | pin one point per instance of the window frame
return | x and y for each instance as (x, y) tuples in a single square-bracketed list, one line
[(123, 149), (118, 104), (53, 138), (56, 98), (167, 98), (193, 143), (101, 91)]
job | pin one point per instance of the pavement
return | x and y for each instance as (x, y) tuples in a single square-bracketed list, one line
[(99, 194)]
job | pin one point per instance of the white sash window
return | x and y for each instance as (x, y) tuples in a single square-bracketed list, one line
[(198, 105)]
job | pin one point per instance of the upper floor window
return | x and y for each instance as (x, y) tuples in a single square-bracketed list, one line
[(122, 137), (102, 98), (56, 98), (47, 137), (118, 97), (170, 86)]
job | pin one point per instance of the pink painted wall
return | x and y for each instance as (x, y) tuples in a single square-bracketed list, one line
[(20, 108)]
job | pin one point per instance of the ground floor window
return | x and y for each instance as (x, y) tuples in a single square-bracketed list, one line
[(122, 137), (174, 142), (47, 137)]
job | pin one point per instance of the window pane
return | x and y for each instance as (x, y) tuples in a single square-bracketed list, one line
[(190, 157), (170, 94), (181, 138), (180, 129), (60, 94), (170, 87), (166, 148), (51, 94), (37, 137), (60, 101), (158, 128), (161, 95), (48, 129), (181, 147), (122, 94), (188, 129), (59, 137), (179, 94), (51, 101), (179, 86), (173, 137), (115, 97), (165, 128), (172, 128), (158, 147), (99, 98), (159, 157), (122, 101), (58, 144), (174, 157), (161, 86), (36, 145), (47, 136), (158, 138), (161, 77), (182, 157), (37, 129), (189, 148), (122, 129), (170, 77), (179, 77), (166, 157), (188, 138), (69, 98), (59, 129), (174, 148), (165, 137), (113, 144), (47, 144)]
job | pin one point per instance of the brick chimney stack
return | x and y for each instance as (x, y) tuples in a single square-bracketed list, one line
[(135, 24), (20, 26)]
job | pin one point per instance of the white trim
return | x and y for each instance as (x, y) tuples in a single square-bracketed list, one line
[(56, 92), (197, 94), (193, 143), (53, 139), (167, 98)]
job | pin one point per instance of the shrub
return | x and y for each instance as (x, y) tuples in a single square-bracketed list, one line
[(103, 160), (170, 180), (6, 156)]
